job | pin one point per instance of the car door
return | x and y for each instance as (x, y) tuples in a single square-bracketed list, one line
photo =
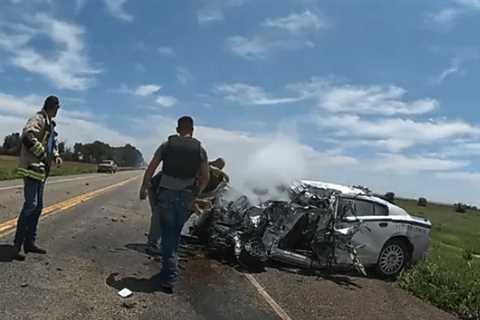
[(376, 228)]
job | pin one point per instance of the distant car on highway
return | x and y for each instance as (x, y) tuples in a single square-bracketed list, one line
[(392, 239), (107, 166)]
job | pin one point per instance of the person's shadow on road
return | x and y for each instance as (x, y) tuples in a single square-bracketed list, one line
[(146, 285), (6, 253)]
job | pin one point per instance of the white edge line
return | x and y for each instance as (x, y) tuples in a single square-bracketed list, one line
[(275, 306), (48, 183)]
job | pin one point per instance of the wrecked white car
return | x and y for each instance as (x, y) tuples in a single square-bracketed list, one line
[(322, 226)]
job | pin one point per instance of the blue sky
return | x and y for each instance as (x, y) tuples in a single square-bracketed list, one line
[(378, 93)]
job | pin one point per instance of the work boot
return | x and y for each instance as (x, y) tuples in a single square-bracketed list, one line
[(16, 252), (166, 287), (31, 247)]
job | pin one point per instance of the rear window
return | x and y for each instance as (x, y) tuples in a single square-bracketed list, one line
[(363, 208), (380, 210)]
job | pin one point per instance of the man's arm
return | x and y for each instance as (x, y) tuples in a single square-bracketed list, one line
[(220, 173), (29, 137), (204, 176), (147, 177)]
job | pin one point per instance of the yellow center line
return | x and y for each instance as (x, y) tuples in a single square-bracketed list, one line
[(10, 225)]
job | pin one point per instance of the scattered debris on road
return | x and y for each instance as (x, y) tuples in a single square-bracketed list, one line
[(129, 305), (125, 293)]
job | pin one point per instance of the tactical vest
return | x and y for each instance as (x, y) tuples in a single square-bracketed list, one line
[(181, 157)]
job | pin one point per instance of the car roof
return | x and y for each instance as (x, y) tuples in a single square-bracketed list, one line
[(356, 193)]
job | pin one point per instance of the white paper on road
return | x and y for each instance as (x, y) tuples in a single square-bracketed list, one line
[(124, 293)]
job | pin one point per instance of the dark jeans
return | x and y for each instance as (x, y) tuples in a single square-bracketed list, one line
[(32, 208), (174, 209)]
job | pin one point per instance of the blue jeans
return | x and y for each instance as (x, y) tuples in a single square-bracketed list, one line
[(32, 208), (174, 209)]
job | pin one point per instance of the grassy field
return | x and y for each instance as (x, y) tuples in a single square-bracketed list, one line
[(450, 277), (9, 164)]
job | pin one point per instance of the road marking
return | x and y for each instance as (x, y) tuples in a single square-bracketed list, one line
[(19, 186), (275, 306), (10, 225)]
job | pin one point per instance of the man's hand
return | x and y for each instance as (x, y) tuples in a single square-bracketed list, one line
[(143, 194), (58, 162)]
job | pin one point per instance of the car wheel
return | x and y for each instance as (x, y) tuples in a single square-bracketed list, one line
[(393, 258)]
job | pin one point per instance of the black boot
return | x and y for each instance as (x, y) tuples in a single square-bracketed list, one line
[(16, 252), (31, 247)]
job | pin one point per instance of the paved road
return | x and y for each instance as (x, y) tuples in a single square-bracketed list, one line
[(96, 248)]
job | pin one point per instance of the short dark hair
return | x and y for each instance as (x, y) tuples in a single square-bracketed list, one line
[(185, 123), (51, 102)]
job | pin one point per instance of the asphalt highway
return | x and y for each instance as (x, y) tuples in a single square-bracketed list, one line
[(93, 227)]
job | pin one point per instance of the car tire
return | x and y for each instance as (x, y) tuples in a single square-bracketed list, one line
[(393, 258)]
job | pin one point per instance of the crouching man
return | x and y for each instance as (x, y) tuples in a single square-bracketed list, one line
[(183, 160), (37, 151)]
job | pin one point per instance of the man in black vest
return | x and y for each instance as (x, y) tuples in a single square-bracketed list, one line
[(185, 174)]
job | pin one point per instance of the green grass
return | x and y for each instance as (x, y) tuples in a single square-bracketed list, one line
[(450, 276), (461, 230), (9, 164)]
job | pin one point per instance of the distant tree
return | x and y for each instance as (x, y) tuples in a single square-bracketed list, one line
[(77, 152), (422, 202), (12, 144), (61, 147), (126, 156)]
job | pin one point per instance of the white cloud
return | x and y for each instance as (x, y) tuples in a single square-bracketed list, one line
[(375, 100), (445, 18), (68, 68), (298, 23), (166, 51), (460, 175), (461, 57), (117, 10), (209, 15), (261, 46), (72, 125), (10, 104), (212, 11), (396, 134), (79, 5), (183, 75), (146, 90), (166, 101), (409, 165), (471, 4), (461, 148), (254, 48), (452, 69), (372, 100), (250, 95)]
